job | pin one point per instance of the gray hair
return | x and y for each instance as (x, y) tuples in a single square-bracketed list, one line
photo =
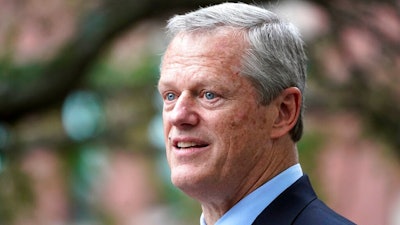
[(275, 59)]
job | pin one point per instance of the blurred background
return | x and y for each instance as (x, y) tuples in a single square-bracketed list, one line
[(80, 129)]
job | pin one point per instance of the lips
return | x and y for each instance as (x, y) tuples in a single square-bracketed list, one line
[(190, 145), (182, 144)]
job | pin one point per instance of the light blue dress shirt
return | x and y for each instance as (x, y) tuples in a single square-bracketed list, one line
[(247, 209)]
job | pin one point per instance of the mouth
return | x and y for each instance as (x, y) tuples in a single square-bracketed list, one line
[(183, 145), (189, 144)]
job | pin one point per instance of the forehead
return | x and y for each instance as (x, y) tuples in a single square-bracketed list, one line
[(210, 60), (216, 52)]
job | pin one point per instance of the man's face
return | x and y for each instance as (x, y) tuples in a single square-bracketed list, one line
[(216, 132)]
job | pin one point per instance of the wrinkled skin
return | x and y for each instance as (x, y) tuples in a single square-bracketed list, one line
[(221, 144)]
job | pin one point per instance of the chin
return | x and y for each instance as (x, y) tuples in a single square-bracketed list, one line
[(181, 177), (188, 181)]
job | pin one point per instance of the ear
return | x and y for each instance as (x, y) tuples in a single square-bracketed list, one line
[(288, 105)]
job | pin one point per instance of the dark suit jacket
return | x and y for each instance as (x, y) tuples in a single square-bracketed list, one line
[(299, 205)]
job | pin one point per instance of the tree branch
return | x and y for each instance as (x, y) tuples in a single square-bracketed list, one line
[(65, 71)]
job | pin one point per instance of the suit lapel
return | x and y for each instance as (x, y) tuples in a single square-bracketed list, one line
[(285, 208)]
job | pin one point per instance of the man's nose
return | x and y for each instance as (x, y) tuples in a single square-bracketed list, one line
[(183, 114)]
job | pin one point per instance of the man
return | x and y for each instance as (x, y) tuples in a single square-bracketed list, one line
[(232, 80)]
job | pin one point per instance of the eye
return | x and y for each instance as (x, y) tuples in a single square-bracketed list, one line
[(209, 95), (170, 96)]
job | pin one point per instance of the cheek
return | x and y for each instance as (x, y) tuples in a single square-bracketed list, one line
[(242, 137), (247, 119), (235, 128), (238, 120), (166, 125), (248, 127)]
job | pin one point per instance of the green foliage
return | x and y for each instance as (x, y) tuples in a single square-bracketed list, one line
[(105, 76), (18, 75), (308, 148), (16, 197)]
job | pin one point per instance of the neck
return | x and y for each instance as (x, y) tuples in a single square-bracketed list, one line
[(266, 169)]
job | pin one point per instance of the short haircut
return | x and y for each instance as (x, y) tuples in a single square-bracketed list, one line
[(275, 59)]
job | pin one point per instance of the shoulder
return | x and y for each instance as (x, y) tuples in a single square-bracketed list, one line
[(299, 205), (316, 212)]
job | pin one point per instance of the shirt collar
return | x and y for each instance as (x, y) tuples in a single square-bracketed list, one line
[(247, 209)]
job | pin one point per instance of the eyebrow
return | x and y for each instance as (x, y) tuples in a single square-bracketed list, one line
[(162, 83)]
